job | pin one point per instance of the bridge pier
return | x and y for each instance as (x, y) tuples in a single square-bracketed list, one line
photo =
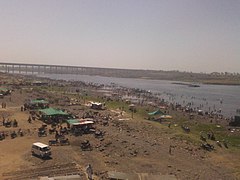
[(13, 68), (19, 69)]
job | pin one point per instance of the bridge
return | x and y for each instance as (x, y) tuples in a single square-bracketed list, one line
[(22, 68)]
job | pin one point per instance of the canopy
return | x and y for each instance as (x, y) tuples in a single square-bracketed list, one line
[(166, 117), (3, 89), (39, 101), (79, 122), (72, 121), (83, 123), (156, 113), (52, 112)]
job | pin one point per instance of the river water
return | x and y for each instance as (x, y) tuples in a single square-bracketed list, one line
[(209, 97)]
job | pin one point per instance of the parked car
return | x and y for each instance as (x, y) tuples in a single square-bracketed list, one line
[(41, 150)]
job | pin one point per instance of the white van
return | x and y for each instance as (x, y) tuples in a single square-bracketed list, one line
[(41, 150)]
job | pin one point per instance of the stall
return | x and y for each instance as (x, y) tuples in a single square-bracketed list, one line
[(51, 115)]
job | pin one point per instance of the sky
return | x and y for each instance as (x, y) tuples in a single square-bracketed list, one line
[(184, 35)]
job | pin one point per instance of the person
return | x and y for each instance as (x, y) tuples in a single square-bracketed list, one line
[(89, 171), (4, 121), (29, 119), (169, 125), (15, 123), (56, 135), (20, 132), (170, 149)]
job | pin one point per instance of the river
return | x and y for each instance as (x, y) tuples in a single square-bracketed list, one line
[(209, 97)]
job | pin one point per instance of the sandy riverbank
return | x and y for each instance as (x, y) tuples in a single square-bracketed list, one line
[(130, 146)]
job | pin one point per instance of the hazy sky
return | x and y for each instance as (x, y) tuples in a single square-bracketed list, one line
[(186, 35)]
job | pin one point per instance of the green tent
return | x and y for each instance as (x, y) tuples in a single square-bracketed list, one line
[(39, 101), (52, 112), (156, 113), (4, 91)]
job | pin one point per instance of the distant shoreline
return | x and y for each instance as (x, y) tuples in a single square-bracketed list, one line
[(226, 84), (189, 82), (185, 78)]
